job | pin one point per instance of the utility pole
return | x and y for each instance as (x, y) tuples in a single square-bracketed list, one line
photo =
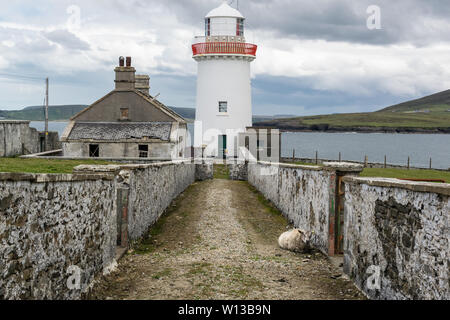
[(46, 115)]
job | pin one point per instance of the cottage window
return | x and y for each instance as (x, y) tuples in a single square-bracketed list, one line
[(223, 106), (94, 151), (124, 113), (143, 151)]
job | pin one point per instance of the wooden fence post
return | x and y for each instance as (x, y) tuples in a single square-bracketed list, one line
[(409, 162), (385, 161)]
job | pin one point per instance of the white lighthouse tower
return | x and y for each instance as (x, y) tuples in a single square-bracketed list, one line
[(224, 102)]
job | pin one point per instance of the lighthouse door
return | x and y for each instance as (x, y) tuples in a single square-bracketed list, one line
[(222, 147)]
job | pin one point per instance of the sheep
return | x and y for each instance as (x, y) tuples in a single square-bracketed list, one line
[(295, 240)]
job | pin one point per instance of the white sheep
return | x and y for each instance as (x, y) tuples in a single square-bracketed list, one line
[(295, 240)]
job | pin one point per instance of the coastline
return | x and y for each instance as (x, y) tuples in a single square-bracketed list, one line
[(358, 130)]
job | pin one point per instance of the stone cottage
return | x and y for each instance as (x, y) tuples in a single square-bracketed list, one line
[(126, 123)]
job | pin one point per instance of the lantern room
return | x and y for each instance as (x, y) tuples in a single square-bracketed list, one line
[(224, 21)]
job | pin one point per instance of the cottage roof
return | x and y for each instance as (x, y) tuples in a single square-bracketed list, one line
[(104, 131)]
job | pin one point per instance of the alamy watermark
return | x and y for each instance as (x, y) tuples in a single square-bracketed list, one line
[(74, 21), (374, 280), (74, 280), (374, 19)]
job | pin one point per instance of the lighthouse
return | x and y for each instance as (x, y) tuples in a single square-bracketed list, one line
[(224, 99)]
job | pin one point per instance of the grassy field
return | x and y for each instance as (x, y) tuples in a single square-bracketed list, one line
[(407, 174), (43, 165), (398, 173), (382, 119), (221, 172), (429, 112)]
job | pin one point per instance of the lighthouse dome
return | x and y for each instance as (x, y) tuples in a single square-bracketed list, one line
[(224, 11)]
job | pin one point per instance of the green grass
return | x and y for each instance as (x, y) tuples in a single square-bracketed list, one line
[(438, 118), (44, 165), (221, 172), (270, 207), (166, 272), (407, 174)]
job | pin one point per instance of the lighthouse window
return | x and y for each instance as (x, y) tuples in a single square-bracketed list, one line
[(223, 106), (207, 27), (240, 27)]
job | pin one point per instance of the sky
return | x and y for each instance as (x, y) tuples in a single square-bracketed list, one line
[(314, 57)]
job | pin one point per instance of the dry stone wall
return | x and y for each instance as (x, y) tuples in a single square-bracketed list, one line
[(397, 238), (17, 138), (48, 224), (54, 227), (238, 170), (302, 193), (152, 189)]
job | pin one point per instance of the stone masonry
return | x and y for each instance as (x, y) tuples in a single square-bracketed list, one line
[(400, 229), (53, 225)]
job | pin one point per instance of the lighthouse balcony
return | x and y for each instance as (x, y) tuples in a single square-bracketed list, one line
[(226, 48)]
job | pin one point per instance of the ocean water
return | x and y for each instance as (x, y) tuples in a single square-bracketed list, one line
[(52, 126), (353, 146)]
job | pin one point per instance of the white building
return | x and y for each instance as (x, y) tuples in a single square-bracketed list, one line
[(224, 102)]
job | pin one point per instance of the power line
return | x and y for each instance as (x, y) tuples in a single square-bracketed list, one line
[(20, 76)]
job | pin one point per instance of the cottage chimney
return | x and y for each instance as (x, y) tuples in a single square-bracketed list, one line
[(125, 75), (143, 83)]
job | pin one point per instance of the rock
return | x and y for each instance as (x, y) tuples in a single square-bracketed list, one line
[(27, 274), (11, 268)]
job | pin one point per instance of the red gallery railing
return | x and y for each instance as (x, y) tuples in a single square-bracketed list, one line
[(224, 48)]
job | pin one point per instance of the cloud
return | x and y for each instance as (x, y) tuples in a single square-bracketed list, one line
[(67, 40), (313, 56)]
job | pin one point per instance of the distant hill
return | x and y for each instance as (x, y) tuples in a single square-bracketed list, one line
[(65, 112), (428, 114), (436, 102), (36, 113)]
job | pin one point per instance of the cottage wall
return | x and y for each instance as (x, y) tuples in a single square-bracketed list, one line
[(164, 150)]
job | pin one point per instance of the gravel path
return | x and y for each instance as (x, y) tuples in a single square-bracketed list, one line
[(219, 241)]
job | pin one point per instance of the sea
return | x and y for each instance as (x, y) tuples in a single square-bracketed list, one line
[(352, 146)]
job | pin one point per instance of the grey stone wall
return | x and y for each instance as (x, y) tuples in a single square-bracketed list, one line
[(204, 170), (152, 189), (400, 229), (301, 193), (238, 170), (49, 223), (17, 138)]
